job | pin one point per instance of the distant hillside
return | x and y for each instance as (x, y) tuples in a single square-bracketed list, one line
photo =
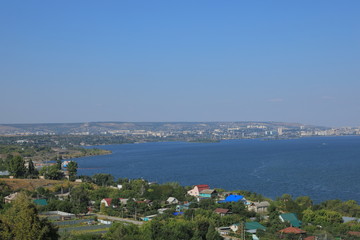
[(104, 127)]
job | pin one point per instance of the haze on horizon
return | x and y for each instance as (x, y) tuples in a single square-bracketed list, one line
[(146, 61)]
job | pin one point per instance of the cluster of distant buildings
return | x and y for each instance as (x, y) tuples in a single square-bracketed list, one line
[(205, 130), (250, 131)]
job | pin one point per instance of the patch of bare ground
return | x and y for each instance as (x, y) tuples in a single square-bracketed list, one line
[(32, 184)]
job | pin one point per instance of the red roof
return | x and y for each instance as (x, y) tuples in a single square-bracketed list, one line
[(354, 233), (221, 210), (310, 238), (292, 230), (108, 201), (202, 187)]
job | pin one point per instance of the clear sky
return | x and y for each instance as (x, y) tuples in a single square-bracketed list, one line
[(82, 61)]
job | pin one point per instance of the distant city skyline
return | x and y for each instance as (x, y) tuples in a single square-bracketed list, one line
[(168, 61)]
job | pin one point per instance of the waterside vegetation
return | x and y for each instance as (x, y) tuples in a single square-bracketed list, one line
[(157, 215)]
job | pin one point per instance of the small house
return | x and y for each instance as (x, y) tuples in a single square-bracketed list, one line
[(208, 193), (11, 197), (292, 230), (222, 211), (162, 210), (224, 231), (259, 207), (233, 198), (172, 200), (148, 218), (181, 208), (106, 202), (350, 219), (290, 218), (197, 189), (250, 227), (354, 233), (40, 202)]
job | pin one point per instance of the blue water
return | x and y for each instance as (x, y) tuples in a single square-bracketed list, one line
[(322, 168)]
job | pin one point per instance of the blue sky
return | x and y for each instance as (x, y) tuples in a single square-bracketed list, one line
[(81, 61)]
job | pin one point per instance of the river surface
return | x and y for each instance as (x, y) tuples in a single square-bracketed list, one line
[(320, 167)]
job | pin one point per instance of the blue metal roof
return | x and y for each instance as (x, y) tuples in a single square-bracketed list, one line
[(178, 213), (232, 198)]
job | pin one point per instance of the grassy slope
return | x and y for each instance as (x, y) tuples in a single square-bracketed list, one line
[(32, 184)]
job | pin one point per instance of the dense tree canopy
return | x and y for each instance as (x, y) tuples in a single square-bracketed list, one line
[(17, 167), (52, 172), (21, 222), (72, 169)]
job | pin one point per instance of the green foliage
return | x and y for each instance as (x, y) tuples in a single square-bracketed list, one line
[(322, 217), (304, 202), (124, 232), (58, 163), (83, 236), (285, 203), (79, 199), (115, 202), (21, 222), (212, 234), (17, 167), (274, 224), (252, 196), (201, 228), (349, 208), (103, 179), (31, 171), (51, 172), (4, 191), (72, 169), (4, 164), (104, 192), (58, 205), (208, 204), (164, 191)]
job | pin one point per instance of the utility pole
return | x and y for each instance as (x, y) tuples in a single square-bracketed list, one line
[(242, 224), (241, 230)]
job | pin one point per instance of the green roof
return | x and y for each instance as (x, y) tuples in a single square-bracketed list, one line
[(292, 218), (40, 202), (254, 225)]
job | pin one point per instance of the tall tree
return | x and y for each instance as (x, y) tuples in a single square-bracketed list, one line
[(21, 222), (212, 234), (17, 167), (103, 179), (52, 172), (124, 231), (79, 199), (72, 169), (58, 163), (31, 171)]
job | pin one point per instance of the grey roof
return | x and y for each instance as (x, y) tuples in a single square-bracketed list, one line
[(349, 219), (208, 191), (262, 204)]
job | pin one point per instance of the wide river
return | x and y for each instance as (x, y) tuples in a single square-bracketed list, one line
[(321, 167)]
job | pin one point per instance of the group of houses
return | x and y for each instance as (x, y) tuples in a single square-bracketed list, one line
[(37, 201), (253, 226), (201, 192)]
